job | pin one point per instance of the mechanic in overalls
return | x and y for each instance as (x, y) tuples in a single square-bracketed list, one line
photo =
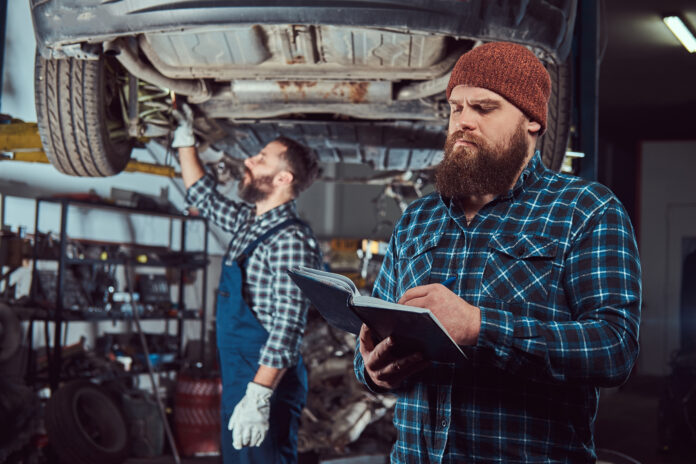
[(261, 314)]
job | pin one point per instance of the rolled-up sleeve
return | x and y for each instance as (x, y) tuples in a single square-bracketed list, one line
[(288, 304)]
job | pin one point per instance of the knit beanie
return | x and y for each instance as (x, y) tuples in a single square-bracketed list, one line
[(511, 71)]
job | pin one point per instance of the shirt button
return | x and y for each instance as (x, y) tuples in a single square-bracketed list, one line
[(444, 422)]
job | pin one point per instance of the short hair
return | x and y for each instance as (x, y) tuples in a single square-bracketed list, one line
[(302, 161)]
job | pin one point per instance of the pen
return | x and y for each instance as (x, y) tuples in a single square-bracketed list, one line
[(449, 280)]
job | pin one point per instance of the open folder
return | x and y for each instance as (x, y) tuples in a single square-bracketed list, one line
[(339, 302)]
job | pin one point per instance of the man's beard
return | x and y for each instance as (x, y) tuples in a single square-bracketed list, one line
[(257, 189), (480, 170)]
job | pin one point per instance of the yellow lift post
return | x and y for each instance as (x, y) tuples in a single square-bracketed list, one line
[(22, 140)]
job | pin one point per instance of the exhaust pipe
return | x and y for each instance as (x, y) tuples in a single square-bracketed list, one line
[(197, 91)]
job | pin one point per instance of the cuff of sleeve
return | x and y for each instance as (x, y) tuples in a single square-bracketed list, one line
[(496, 334), (361, 375), (278, 359), (359, 367), (196, 192), (371, 385)]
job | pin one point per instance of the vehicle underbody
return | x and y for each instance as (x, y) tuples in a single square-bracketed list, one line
[(357, 82)]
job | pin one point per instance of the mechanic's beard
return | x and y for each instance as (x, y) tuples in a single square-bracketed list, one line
[(256, 190), (480, 170)]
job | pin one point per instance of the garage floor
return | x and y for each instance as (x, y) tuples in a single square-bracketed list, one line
[(626, 425), (627, 422)]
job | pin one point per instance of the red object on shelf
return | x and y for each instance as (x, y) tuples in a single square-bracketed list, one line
[(197, 415)]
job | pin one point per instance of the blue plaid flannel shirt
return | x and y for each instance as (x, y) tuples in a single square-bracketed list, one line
[(553, 266), (273, 297)]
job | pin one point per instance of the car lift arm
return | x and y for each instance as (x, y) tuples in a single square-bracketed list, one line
[(21, 139)]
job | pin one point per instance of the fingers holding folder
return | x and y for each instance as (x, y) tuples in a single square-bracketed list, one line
[(461, 319), (389, 362)]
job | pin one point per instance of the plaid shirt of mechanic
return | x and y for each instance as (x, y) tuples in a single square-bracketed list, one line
[(546, 301)]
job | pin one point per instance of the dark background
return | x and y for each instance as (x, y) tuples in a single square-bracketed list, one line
[(647, 88)]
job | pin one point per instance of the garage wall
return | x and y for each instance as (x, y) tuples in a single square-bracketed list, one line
[(18, 66), (667, 233), (348, 210)]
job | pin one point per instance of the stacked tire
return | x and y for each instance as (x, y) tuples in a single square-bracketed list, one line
[(85, 425)]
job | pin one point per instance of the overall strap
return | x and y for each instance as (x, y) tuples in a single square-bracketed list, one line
[(252, 246)]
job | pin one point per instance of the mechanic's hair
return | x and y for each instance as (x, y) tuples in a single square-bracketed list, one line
[(303, 163)]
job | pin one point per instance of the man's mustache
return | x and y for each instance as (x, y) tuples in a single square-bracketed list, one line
[(463, 136)]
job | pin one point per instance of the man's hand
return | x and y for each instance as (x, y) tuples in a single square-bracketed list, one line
[(185, 141), (183, 134), (249, 421), (386, 363), (461, 319)]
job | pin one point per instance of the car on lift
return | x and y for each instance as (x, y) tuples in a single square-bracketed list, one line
[(358, 81)]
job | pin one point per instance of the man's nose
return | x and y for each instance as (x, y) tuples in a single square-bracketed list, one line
[(465, 120)]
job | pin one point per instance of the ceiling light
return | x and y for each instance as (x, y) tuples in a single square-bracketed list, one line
[(679, 29)]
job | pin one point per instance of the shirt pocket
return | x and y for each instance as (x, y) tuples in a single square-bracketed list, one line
[(519, 268), (415, 262)]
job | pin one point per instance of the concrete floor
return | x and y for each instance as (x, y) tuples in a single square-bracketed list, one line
[(170, 460), (627, 424), (216, 460), (626, 428)]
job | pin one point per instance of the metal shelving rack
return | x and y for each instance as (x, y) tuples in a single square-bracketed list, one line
[(59, 315)]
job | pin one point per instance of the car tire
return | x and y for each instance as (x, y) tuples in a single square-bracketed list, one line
[(85, 426), (554, 142), (80, 116)]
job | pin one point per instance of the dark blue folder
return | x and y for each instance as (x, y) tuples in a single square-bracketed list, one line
[(339, 302)]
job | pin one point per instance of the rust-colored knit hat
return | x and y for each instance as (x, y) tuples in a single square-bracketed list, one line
[(511, 71)]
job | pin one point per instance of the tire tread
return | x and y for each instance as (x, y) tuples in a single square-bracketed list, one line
[(71, 118), (554, 142)]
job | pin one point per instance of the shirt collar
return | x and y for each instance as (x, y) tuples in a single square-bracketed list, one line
[(530, 174), (273, 216)]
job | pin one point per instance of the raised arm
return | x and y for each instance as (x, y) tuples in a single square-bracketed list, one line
[(223, 211), (201, 190), (191, 167)]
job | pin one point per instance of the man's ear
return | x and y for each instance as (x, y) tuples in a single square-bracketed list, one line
[(284, 178), (533, 127)]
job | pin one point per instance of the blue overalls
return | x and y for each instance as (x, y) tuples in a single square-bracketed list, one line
[(240, 337)]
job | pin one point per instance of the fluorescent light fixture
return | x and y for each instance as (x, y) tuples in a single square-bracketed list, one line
[(679, 29)]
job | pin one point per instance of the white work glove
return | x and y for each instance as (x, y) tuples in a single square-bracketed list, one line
[(183, 134), (249, 421)]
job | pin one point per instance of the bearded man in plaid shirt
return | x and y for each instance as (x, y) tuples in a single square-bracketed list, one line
[(260, 314), (546, 301)]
